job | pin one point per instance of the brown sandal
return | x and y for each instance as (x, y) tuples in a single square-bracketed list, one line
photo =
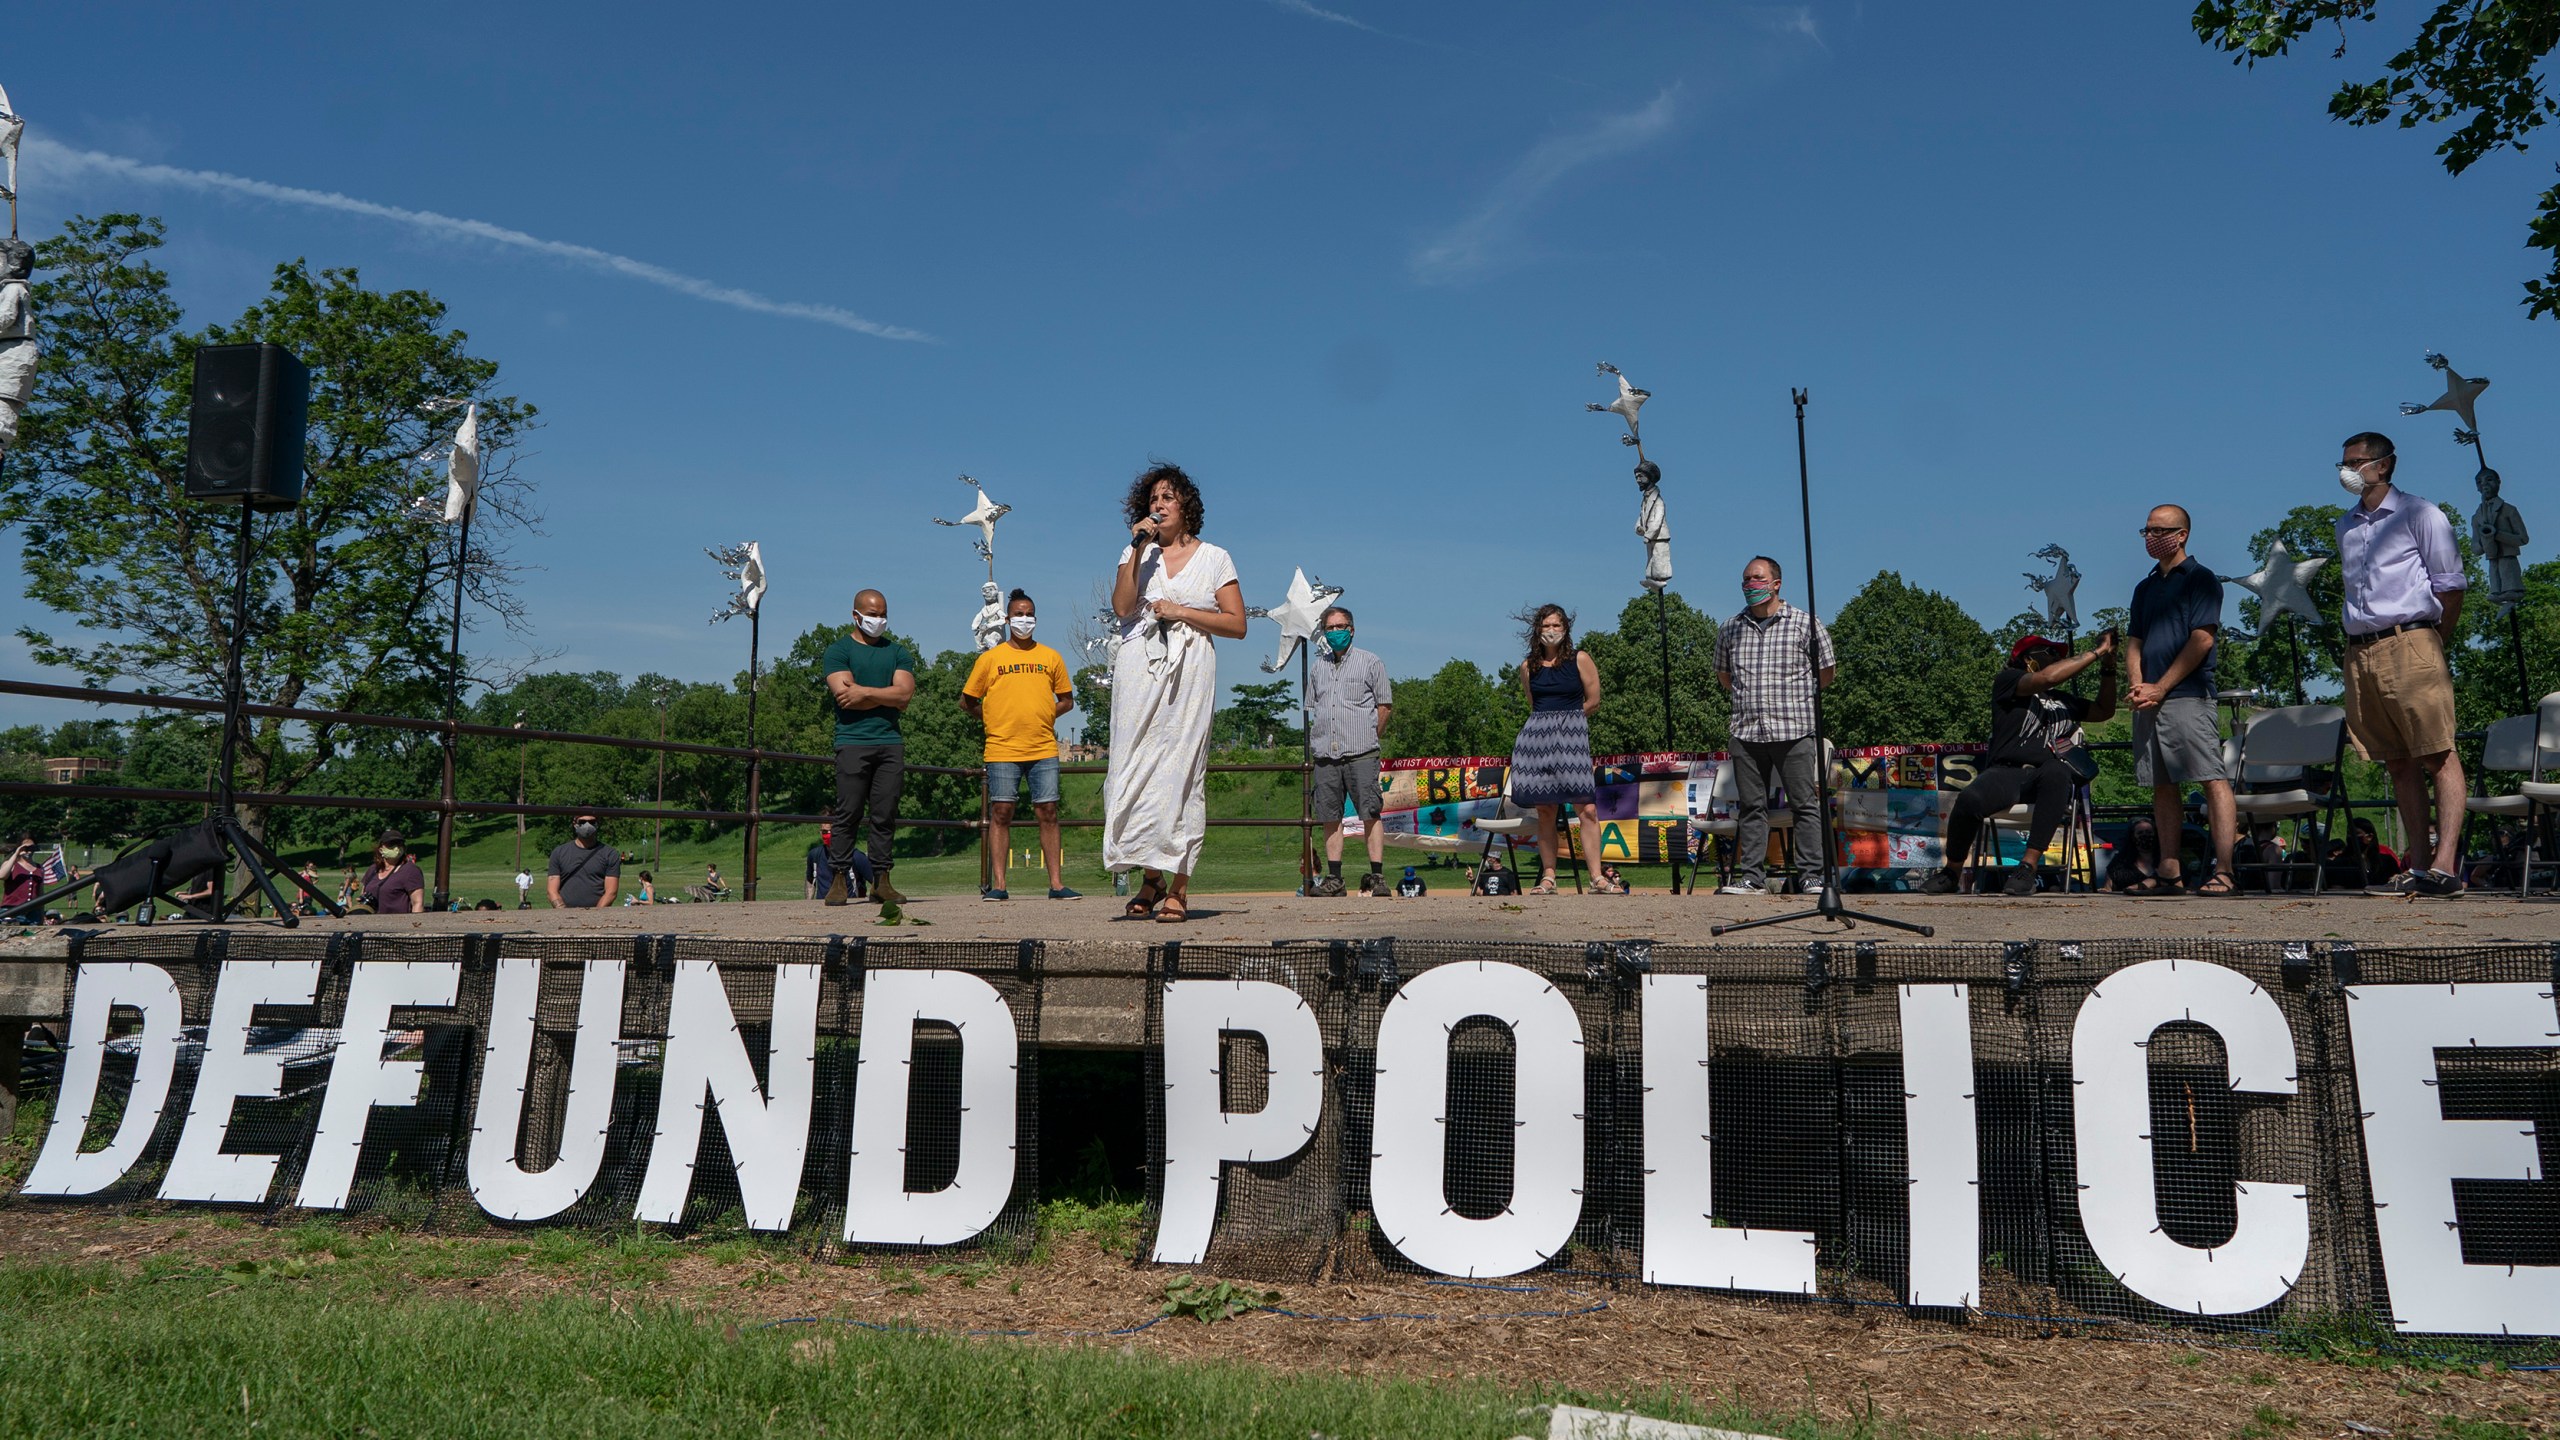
[(1173, 910), (1150, 894)]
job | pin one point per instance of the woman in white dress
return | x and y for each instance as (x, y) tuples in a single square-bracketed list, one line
[(1172, 595)]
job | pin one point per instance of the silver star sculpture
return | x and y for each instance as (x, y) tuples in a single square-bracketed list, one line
[(1298, 615), (984, 517), (2460, 395), (1104, 647), (2282, 585), (744, 564), (1629, 401)]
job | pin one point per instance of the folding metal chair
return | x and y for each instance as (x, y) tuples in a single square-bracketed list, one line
[(2529, 744), (2271, 761)]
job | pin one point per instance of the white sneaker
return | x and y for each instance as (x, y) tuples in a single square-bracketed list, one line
[(1744, 887)]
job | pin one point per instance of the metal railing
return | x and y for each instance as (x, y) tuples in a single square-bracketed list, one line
[(448, 804)]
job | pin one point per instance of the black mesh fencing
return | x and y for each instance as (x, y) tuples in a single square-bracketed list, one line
[(1814, 1087), (1808, 1128), (414, 1162)]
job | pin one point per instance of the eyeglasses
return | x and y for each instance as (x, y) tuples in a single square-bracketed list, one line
[(2153, 532)]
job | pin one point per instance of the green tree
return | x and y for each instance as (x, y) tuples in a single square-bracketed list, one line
[(347, 589), (1257, 717), (1629, 659), (1459, 710), (1913, 667), (2476, 66)]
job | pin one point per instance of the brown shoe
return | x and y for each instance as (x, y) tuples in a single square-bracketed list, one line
[(836, 889), (885, 893)]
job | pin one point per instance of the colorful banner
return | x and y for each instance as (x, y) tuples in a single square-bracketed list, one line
[(1889, 804)]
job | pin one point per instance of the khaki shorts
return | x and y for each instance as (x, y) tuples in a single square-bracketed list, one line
[(2400, 697)]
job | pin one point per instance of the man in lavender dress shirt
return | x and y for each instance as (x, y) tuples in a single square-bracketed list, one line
[(2404, 597)]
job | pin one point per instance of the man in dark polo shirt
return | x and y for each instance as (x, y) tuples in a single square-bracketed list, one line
[(2177, 617), (870, 678)]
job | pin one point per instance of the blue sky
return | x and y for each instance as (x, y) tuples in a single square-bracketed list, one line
[(2040, 266)]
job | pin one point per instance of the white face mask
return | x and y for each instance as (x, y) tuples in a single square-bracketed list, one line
[(1551, 638), (874, 626), (2352, 477), (1023, 624)]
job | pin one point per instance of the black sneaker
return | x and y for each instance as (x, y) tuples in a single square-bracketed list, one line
[(1941, 881), (993, 894), (2021, 882), (2436, 885)]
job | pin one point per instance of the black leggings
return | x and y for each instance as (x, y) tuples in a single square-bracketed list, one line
[(1996, 788)]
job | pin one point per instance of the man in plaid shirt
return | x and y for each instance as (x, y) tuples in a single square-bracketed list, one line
[(1765, 659)]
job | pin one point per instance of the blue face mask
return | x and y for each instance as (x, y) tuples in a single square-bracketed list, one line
[(1339, 640)]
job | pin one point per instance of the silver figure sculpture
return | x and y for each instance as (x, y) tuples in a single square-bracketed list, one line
[(2498, 533), (18, 349), (1653, 524), (987, 626), (2059, 589)]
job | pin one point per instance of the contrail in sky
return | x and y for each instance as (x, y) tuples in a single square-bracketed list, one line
[(64, 160)]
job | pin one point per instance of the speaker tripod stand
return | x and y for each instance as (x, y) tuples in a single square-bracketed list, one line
[(1829, 906)]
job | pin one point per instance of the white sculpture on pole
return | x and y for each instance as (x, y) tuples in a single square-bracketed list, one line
[(11, 127), (1103, 647), (17, 337), (2498, 533), (744, 564), (462, 468), (2059, 589), (2282, 585), (1297, 616), (987, 626), (1653, 525), (984, 517)]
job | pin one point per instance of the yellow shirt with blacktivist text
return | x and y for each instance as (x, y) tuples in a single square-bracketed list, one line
[(1017, 691)]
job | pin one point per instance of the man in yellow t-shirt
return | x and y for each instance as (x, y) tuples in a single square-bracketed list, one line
[(1018, 690)]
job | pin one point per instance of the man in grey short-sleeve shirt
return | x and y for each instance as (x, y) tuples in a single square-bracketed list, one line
[(1349, 698), (585, 873)]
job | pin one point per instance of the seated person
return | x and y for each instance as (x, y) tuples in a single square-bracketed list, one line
[(2137, 856), (2032, 728), (1496, 879), (1411, 884)]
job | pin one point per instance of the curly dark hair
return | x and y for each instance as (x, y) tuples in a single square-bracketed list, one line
[(1538, 617), (1142, 490)]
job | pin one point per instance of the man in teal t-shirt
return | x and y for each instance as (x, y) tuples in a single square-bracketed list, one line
[(870, 679)]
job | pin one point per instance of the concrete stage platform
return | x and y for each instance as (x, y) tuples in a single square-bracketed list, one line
[(1093, 958)]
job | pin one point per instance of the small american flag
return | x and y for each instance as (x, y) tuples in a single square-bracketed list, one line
[(57, 867)]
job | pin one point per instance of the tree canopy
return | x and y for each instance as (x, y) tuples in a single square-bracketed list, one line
[(345, 589), (2474, 66)]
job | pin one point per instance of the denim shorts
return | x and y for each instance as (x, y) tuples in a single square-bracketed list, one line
[(1005, 780)]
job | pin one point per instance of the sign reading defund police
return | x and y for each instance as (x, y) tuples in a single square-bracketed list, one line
[(2414, 1155)]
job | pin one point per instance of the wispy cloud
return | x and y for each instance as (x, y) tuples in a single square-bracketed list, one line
[(1789, 20), (1476, 244), (1313, 12), (45, 158)]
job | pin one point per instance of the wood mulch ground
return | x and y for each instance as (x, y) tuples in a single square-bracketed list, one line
[(1917, 1377)]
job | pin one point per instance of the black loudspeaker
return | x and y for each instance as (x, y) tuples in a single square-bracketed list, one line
[(245, 432)]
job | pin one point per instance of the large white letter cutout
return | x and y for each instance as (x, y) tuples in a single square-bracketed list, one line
[(1942, 1146), (2415, 1154), (1412, 1134), (1682, 1243), (768, 1137), (62, 1169), (1200, 1134), (359, 1078), (503, 1187), (879, 1209), (199, 1170), (2111, 1126)]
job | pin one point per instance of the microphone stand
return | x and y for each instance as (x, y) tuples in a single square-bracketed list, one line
[(1829, 907)]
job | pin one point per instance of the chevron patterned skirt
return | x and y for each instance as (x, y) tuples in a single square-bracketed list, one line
[(1551, 761)]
